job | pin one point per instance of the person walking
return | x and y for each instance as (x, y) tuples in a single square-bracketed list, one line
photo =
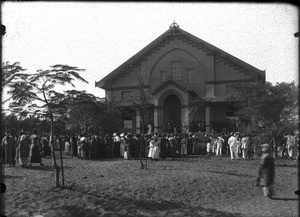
[(266, 171), (34, 154), (232, 142)]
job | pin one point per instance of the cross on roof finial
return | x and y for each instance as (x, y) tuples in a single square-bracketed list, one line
[(174, 24)]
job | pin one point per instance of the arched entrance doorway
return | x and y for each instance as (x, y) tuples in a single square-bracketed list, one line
[(172, 113)]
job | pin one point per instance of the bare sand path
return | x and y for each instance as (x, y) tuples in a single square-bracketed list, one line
[(194, 187)]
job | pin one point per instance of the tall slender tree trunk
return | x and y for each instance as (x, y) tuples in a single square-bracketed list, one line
[(61, 164), (275, 145), (146, 154), (53, 155), (140, 154)]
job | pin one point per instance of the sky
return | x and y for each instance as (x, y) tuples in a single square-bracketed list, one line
[(99, 36)]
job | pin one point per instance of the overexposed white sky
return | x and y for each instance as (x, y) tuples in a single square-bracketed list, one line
[(101, 36)]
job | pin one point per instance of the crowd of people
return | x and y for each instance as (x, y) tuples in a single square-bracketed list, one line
[(23, 149), (27, 148)]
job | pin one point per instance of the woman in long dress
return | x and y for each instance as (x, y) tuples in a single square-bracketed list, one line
[(34, 154), (7, 149), (151, 147), (24, 149)]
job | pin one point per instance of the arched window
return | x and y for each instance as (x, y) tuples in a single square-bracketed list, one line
[(176, 68)]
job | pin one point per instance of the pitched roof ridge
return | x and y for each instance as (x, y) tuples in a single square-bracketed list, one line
[(172, 31)]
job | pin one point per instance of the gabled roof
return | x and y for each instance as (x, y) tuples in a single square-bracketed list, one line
[(173, 31)]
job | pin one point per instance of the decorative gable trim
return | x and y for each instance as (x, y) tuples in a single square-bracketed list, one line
[(175, 32)]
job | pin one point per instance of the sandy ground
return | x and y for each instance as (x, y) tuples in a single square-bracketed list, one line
[(194, 187)]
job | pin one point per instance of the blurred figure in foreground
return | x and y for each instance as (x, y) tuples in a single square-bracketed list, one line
[(266, 172)]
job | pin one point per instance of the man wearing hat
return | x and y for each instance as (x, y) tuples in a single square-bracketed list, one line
[(266, 171)]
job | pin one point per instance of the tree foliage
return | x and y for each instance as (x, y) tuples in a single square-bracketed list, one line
[(35, 93), (268, 110), (89, 113)]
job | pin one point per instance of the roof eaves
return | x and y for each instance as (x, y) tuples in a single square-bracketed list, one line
[(131, 61)]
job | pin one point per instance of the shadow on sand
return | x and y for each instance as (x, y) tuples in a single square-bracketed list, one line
[(44, 167), (286, 165), (285, 199), (122, 206), (12, 177), (233, 174)]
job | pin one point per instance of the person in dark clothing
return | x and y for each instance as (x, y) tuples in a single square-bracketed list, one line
[(163, 147), (266, 171), (102, 146), (74, 145), (46, 149), (34, 154), (93, 147)]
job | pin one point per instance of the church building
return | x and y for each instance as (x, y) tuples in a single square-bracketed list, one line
[(185, 80)]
